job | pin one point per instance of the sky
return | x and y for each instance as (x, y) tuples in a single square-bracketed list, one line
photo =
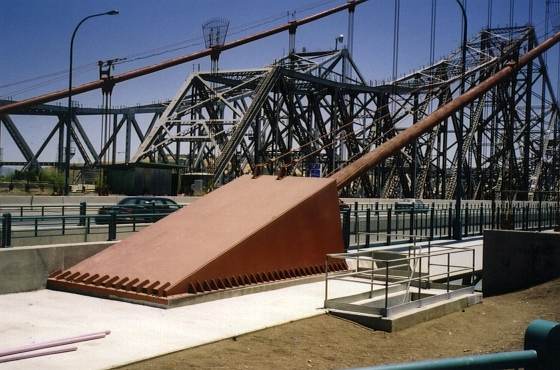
[(36, 38)]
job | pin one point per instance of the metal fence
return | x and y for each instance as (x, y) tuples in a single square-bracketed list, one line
[(375, 224), (82, 208), (61, 225), (362, 224)]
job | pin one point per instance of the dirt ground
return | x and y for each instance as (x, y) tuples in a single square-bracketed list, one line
[(325, 342)]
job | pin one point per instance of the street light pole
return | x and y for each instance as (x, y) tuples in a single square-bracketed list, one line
[(459, 187), (69, 114)]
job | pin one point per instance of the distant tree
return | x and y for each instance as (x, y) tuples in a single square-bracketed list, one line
[(53, 177)]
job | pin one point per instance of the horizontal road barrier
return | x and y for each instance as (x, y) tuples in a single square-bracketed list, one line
[(363, 225)]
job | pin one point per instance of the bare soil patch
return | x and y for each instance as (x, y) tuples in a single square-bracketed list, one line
[(325, 342)]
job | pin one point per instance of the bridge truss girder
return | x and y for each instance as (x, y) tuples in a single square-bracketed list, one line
[(123, 123), (303, 111)]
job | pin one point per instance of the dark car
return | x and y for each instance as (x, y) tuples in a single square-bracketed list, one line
[(411, 205), (138, 209)]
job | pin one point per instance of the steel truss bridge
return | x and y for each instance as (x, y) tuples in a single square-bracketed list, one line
[(315, 110)]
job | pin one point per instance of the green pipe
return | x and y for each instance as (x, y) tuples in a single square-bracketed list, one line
[(493, 361)]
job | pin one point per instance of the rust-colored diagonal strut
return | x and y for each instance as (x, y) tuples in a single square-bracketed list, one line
[(392, 146)]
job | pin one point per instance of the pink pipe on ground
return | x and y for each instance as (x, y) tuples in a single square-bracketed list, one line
[(37, 354), (55, 343)]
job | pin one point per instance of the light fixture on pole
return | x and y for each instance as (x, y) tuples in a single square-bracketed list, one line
[(69, 114), (459, 187)]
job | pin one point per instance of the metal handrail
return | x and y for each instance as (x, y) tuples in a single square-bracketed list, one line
[(504, 360), (437, 253), (382, 273), (67, 222), (540, 352)]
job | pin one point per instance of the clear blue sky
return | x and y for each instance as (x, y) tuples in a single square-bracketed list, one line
[(36, 35)]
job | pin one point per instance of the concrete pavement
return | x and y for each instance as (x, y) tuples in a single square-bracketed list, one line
[(141, 332)]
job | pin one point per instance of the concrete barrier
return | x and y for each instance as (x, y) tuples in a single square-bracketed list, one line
[(27, 268), (514, 260), (15, 199)]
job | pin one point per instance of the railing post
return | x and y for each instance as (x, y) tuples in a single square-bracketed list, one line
[(498, 218), (411, 223), (448, 270), (368, 226), (432, 218), (544, 337), (466, 219), (9, 230), (481, 218), (513, 211), (6, 230), (63, 222), (356, 225), (547, 216), (113, 226), (493, 214), (556, 215), (419, 277), (539, 216), (346, 228), (525, 221), (473, 279), (386, 287), (389, 216), (449, 221), (326, 281), (83, 210), (377, 221)]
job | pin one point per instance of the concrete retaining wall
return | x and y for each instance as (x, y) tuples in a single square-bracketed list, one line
[(516, 260), (27, 268)]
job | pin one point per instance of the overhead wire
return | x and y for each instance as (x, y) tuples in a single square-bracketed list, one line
[(396, 21), (199, 41), (433, 31), (48, 75), (151, 53), (489, 19)]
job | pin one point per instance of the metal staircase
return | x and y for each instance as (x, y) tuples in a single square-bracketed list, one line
[(425, 167), (534, 180), (452, 181), (391, 183)]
